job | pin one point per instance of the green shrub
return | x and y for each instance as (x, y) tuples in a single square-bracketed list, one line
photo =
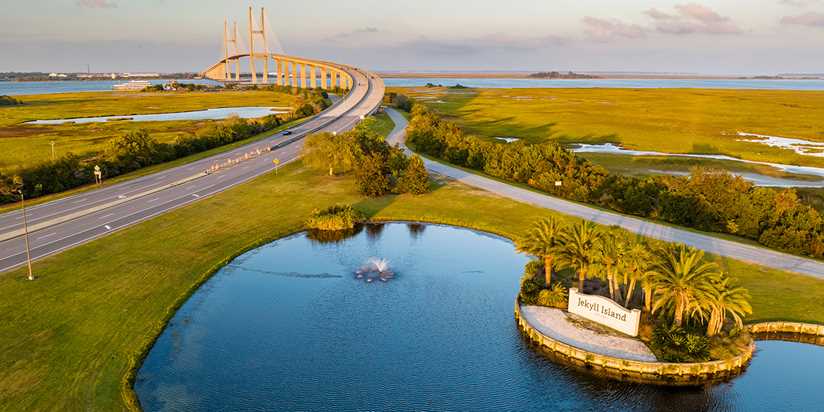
[(556, 297), (9, 101), (415, 179), (674, 344), (338, 217)]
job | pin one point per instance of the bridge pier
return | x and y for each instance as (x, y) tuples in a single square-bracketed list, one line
[(313, 80), (279, 79), (303, 75), (323, 77)]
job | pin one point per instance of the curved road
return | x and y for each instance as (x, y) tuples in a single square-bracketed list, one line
[(747, 253), (77, 219)]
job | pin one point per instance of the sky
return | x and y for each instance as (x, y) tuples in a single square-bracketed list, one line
[(700, 37)]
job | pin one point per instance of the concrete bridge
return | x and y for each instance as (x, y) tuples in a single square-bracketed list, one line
[(289, 71)]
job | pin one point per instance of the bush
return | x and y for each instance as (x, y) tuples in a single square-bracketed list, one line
[(675, 344), (372, 176), (9, 101), (338, 217), (556, 297), (415, 179)]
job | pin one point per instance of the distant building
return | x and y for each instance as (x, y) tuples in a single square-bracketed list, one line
[(132, 86), (57, 75), (143, 75)]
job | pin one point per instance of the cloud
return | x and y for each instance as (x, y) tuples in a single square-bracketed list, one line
[(478, 45), (692, 18), (605, 30), (809, 19), (799, 3), (96, 4), (353, 33)]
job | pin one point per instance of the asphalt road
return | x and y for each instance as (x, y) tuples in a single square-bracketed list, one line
[(64, 223), (747, 253)]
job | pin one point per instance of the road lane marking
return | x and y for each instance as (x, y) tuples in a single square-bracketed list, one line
[(106, 216), (152, 200), (107, 227), (45, 236)]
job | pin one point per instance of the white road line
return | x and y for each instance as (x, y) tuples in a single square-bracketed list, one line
[(106, 216), (153, 200), (45, 236)]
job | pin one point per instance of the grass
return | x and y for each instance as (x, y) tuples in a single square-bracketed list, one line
[(24, 145), (666, 120), (382, 124), (72, 338)]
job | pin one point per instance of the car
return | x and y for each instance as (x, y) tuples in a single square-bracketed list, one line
[(287, 133)]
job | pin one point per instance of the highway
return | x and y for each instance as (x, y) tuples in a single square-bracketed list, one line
[(740, 251), (61, 224)]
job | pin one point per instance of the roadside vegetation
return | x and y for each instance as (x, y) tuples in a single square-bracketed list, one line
[(709, 199), (27, 145), (137, 149), (9, 101), (692, 310), (379, 168)]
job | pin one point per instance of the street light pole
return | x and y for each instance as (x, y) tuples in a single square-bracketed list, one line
[(52, 145), (26, 232)]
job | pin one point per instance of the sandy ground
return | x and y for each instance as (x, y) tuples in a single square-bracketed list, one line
[(556, 324)]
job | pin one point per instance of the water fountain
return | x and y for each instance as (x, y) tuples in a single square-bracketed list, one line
[(375, 269)]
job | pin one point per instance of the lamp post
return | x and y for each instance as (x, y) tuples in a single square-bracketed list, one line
[(52, 146), (26, 233)]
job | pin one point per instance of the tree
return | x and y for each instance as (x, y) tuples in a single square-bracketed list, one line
[(638, 260), (612, 257), (543, 240), (335, 153), (682, 280), (135, 149), (415, 179), (580, 248), (372, 177), (727, 298)]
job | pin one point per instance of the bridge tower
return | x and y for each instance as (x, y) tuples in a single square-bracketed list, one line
[(228, 60), (253, 55)]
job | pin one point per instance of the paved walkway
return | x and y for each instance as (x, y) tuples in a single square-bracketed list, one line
[(555, 324), (747, 253)]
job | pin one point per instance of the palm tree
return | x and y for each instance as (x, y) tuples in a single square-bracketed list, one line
[(580, 249), (542, 240), (612, 257), (681, 280), (637, 260), (727, 299)]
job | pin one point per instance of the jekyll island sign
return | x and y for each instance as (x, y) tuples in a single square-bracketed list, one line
[(604, 311)]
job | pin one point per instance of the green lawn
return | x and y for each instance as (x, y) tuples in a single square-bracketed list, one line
[(26, 145), (71, 339), (666, 120)]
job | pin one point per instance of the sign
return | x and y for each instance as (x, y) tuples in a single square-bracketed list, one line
[(605, 311)]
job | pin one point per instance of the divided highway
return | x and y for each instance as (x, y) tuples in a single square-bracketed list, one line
[(77, 219), (740, 251)]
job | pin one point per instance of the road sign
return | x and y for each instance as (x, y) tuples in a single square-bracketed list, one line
[(98, 174)]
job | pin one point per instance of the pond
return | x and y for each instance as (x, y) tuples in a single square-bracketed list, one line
[(288, 326), (207, 114)]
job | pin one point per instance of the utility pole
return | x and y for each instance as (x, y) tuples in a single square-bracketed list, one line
[(26, 232)]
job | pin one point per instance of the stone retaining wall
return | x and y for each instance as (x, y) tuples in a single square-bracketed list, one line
[(659, 373), (787, 327)]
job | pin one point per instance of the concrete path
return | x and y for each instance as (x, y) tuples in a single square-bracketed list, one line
[(739, 251), (555, 324)]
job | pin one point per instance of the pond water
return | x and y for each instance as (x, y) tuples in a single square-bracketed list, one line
[(814, 84), (289, 327), (208, 114), (758, 179)]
